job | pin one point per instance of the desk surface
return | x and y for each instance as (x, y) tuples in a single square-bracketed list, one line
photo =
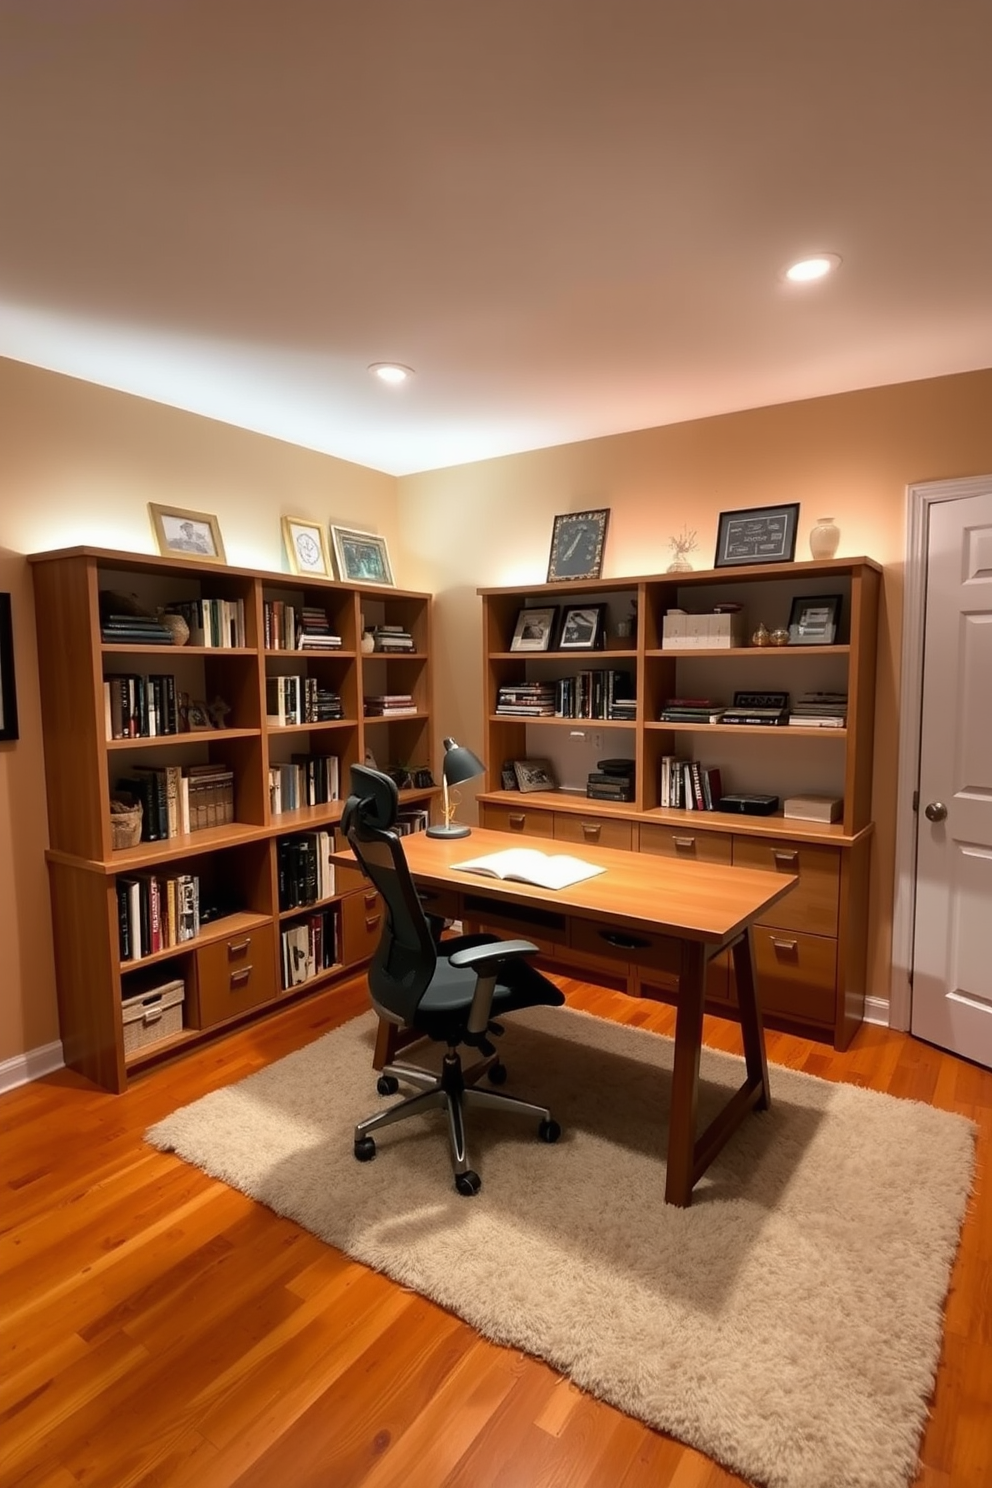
[(639, 891)]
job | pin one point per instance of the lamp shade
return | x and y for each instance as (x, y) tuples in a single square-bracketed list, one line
[(459, 764)]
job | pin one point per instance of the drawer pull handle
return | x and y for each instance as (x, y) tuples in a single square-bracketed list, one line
[(591, 830), (238, 947), (685, 844), (238, 978), (516, 820), (369, 900), (624, 942), (786, 859), (784, 945), (371, 921)]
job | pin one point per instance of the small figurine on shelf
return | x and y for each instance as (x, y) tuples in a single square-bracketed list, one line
[(779, 637), (761, 636), (627, 627), (681, 546)]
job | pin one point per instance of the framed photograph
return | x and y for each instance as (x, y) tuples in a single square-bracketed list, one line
[(361, 557), (758, 534), (814, 620), (198, 719), (534, 629), (577, 543), (534, 775), (187, 534), (8, 694), (306, 547), (582, 628)]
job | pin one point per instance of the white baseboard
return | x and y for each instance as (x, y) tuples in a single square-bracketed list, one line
[(30, 1066), (877, 1010)]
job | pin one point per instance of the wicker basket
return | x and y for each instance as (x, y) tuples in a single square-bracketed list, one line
[(125, 827)]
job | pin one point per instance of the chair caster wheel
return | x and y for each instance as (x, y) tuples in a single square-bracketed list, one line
[(387, 1085), (497, 1074), (468, 1183), (365, 1149), (549, 1131)]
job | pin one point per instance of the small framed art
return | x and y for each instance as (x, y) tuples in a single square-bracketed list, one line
[(8, 694), (534, 775), (814, 619), (577, 543), (757, 534), (187, 534), (534, 629), (582, 628), (361, 557), (306, 547)]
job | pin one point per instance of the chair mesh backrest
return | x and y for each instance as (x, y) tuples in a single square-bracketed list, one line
[(404, 961)]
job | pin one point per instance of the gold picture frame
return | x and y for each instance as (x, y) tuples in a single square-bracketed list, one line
[(187, 534), (306, 547), (361, 557)]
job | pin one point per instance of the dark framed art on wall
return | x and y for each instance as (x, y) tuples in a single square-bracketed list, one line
[(8, 692), (577, 543), (757, 534)]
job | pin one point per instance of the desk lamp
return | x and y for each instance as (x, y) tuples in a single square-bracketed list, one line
[(459, 764)]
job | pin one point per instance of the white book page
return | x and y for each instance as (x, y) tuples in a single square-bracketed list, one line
[(530, 866)]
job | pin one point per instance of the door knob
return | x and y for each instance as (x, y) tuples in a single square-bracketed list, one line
[(936, 811)]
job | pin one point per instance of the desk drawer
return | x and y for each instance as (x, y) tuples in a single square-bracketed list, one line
[(664, 987), (686, 843), (361, 925), (797, 975), (234, 975), (445, 903), (594, 831), (661, 953), (522, 820), (812, 905)]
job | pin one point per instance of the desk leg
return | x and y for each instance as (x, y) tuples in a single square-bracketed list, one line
[(751, 1029), (685, 1076)]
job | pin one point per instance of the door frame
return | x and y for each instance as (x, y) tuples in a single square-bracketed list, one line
[(919, 499)]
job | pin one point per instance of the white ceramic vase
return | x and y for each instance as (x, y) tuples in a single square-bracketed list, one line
[(824, 538)]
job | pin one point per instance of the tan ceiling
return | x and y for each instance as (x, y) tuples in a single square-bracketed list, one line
[(568, 215)]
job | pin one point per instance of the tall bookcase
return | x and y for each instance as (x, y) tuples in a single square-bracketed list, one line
[(233, 968), (811, 954)]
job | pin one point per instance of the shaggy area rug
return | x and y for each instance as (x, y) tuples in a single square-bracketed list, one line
[(788, 1324)]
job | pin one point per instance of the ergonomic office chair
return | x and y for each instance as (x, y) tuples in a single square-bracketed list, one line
[(443, 989)]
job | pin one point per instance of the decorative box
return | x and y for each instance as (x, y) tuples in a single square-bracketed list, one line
[(153, 1015)]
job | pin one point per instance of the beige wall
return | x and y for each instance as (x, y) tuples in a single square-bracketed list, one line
[(78, 464), (851, 456)]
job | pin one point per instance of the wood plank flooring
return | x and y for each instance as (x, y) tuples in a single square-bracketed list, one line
[(159, 1329)]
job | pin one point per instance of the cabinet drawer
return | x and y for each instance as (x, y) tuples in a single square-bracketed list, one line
[(595, 831), (665, 987), (812, 905), (234, 975), (637, 948), (519, 819), (686, 843), (361, 925), (797, 975)]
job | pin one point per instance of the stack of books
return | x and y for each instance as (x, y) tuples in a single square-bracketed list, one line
[(309, 947), (134, 630), (613, 780), (393, 638), (601, 692), (761, 708), (687, 785), (305, 780), (389, 705), (314, 631), (139, 707), (820, 710), (528, 699), (691, 710), (292, 700), (155, 912), (304, 871)]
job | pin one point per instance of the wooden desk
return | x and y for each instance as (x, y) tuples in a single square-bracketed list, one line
[(668, 915)]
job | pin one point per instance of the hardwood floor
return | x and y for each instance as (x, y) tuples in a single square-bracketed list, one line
[(161, 1329)]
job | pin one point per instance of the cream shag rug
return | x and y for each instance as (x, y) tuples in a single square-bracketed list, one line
[(788, 1324)]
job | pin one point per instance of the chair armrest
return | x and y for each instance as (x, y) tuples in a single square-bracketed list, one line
[(492, 953)]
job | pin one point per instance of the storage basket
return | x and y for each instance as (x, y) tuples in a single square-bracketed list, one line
[(153, 1015), (125, 825)]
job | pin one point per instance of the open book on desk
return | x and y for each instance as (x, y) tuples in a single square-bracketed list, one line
[(527, 865)]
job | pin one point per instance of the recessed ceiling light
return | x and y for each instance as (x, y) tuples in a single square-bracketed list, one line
[(816, 267), (391, 372)]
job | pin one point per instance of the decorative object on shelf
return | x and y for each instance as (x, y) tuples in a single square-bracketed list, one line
[(682, 546), (761, 636), (459, 764), (198, 718), (824, 538), (306, 547), (125, 824), (577, 543), (534, 775), (757, 534), (176, 626), (779, 637), (534, 629), (218, 711), (813, 620), (508, 776), (361, 557), (8, 694), (187, 534), (367, 643), (582, 628), (627, 627)]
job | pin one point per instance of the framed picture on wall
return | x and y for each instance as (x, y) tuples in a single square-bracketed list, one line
[(306, 547), (361, 557), (186, 534), (757, 534), (8, 694), (577, 543)]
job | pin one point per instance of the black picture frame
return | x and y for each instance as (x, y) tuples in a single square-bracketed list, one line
[(582, 628), (534, 628), (8, 689), (757, 534), (578, 540), (814, 619)]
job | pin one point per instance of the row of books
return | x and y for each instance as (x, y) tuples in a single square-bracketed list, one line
[(392, 638), (133, 630), (306, 780), (527, 699), (140, 707), (688, 785), (389, 705), (820, 710), (766, 708), (598, 693), (309, 947), (213, 622), (304, 871), (178, 799), (155, 912), (287, 627), (293, 699)]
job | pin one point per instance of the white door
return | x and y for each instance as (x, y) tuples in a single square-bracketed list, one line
[(952, 948)]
